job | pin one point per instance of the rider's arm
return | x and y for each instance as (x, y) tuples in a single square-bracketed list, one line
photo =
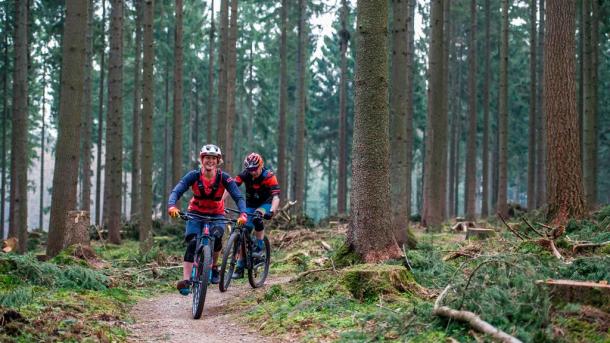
[(275, 203), (231, 187), (182, 186)]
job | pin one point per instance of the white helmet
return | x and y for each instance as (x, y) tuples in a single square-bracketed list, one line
[(210, 150)]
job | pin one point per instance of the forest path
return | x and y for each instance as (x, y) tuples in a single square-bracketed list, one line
[(167, 318)]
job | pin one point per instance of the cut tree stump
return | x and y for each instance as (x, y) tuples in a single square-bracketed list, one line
[(77, 228), (584, 292), (480, 233), (369, 281), (462, 226)]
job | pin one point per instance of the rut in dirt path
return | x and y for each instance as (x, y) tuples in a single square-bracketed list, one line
[(167, 318)]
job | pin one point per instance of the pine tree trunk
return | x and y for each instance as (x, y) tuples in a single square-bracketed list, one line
[(344, 37), (299, 163), (400, 164), (210, 99), (282, 166), (471, 159), (502, 206), (137, 100), (410, 94), (100, 123), (445, 101), (485, 172), (74, 54), (87, 116), (5, 72), (369, 234), (531, 149), (221, 116), (541, 147), (177, 119), (19, 132), (114, 126), (436, 132), (231, 79), (148, 96), (42, 146), (565, 190), (590, 104), (166, 174)]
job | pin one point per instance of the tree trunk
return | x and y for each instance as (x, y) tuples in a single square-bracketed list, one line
[(369, 234), (471, 150), (221, 116), (400, 163), (590, 99), (541, 147), (114, 127), (502, 206), (531, 149), (342, 164), (100, 122), (19, 134), (166, 174), (42, 146), (137, 100), (565, 189), (231, 79), (282, 165), (210, 99), (148, 96), (445, 101), (177, 171), (74, 54), (485, 188), (436, 134), (299, 162), (5, 71), (87, 117)]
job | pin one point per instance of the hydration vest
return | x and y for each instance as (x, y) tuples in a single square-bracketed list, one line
[(214, 195)]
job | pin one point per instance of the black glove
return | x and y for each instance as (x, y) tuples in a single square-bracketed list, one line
[(268, 215)]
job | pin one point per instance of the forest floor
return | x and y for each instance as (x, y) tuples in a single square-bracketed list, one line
[(167, 318), (317, 293)]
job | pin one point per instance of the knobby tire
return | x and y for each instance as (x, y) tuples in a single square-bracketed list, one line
[(228, 261), (257, 273), (203, 275)]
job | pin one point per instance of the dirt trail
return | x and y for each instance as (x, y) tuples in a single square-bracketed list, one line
[(167, 318)]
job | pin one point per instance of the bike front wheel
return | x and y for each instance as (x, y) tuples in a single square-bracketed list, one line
[(200, 286), (229, 258), (258, 268)]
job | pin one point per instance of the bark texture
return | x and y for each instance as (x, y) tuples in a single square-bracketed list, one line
[(100, 122), (299, 160), (540, 120), (67, 149), (400, 163), (87, 117), (148, 95), (177, 171), (531, 149), (485, 188), (114, 126), (501, 204), (565, 189), (19, 133), (369, 234), (136, 115), (436, 128), (342, 165), (471, 151), (590, 103)]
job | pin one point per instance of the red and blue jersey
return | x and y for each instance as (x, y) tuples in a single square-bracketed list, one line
[(261, 190), (207, 194)]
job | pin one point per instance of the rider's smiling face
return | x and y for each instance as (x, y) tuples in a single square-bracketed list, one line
[(256, 172), (209, 162)]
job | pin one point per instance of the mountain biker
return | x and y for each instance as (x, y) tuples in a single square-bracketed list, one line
[(262, 199), (208, 185)]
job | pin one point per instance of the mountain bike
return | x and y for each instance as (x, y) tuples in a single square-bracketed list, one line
[(241, 243), (202, 266)]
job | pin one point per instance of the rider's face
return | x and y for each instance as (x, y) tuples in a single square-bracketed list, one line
[(255, 173), (209, 162)]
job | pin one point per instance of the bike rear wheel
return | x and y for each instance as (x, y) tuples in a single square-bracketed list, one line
[(201, 286), (229, 258), (257, 269)]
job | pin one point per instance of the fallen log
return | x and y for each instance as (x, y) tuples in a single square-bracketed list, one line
[(532, 227), (584, 246), (585, 292), (462, 226), (472, 319)]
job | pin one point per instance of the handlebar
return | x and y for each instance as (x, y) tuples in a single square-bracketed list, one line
[(255, 214), (202, 218)]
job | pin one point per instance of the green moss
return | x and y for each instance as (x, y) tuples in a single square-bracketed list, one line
[(367, 282), (580, 331), (345, 256)]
